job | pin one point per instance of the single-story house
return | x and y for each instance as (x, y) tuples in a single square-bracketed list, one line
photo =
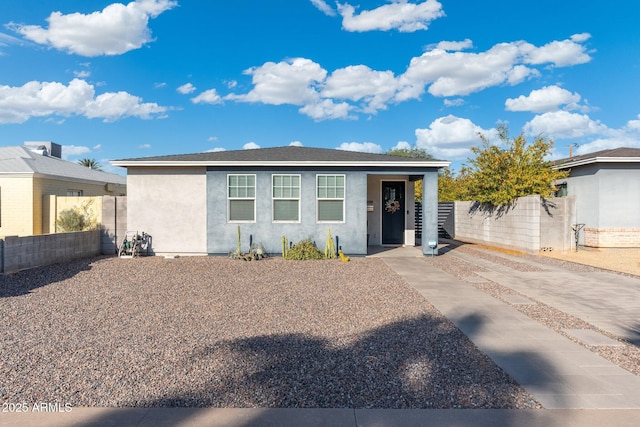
[(606, 185), (194, 203), (31, 173)]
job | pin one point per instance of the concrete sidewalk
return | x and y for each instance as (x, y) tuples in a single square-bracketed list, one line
[(256, 417), (575, 386)]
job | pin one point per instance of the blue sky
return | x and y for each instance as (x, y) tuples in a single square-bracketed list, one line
[(152, 77)]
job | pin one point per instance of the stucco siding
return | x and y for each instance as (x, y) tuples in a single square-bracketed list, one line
[(170, 205), (619, 196), (222, 234), (16, 206)]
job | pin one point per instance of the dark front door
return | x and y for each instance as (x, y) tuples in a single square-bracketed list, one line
[(393, 207)]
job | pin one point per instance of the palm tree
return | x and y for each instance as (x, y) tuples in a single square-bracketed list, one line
[(90, 163)]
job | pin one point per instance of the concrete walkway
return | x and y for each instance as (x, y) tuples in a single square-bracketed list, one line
[(575, 386), (559, 373)]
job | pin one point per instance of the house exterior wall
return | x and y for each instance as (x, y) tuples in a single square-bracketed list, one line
[(222, 234), (45, 186), (608, 203), (16, 205), (170, 204)]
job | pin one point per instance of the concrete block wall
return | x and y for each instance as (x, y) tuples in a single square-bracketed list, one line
[(526, 226), (556, 217), (32, 251), (114, 223)]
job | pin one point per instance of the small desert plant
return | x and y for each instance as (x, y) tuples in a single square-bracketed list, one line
[(78, 218), (304, 250), (330, 248), (256, 251)]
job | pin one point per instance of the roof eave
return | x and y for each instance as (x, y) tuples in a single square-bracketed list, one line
[(570, 164), (195, 163)]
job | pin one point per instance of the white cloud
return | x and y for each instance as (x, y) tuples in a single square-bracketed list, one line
[(207, 97), (216, 150), (74, 150), (361, 83), (159, 85), (327, 109), (144, 146), (564, 125), (561, 53), (212, 139), (287, 82), (359, 89), (186, 89), (402, 145), (250, 146), (39, 99), (457, 102), (324, 7), (461, 73), (399, 15), (97, 147), (547, 99), (455, 46), (82, 74), (7, 40), (608, 144), (115, 106), (113, 31), (633, 125), (451, 137), (295, 144), (362, 147)]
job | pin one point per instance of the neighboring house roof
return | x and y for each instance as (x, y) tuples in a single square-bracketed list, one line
[(283, 156), (616, 155), (21, 160)]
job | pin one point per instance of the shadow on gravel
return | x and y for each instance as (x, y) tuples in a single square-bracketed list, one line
[(419, 363), (633, 334), (23, 282)]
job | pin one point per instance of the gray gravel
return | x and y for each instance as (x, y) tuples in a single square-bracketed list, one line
[(209, 331)]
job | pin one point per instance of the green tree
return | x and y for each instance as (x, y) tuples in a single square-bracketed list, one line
[(497, 176), (90, 163), (414, 153), (451, 187)]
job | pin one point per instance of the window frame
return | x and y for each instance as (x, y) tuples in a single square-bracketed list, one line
[(230, 199), (274, 198), (321, 199)]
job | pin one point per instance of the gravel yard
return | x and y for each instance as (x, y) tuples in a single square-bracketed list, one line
[(209, 331)]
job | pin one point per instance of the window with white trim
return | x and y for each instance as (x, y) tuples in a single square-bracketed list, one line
[(241, 194), (330, 197), (286, 198)]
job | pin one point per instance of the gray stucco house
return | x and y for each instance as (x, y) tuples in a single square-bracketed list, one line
[(606, 185), (193, 203)]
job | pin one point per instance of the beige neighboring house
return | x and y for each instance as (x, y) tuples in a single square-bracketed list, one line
[(31, 173)]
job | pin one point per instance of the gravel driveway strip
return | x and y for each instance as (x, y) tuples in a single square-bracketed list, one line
[(210, 331)]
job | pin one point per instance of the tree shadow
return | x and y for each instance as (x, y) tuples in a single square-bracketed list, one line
[(489, 210), (417, 363), (23, 282), (632, 334)]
